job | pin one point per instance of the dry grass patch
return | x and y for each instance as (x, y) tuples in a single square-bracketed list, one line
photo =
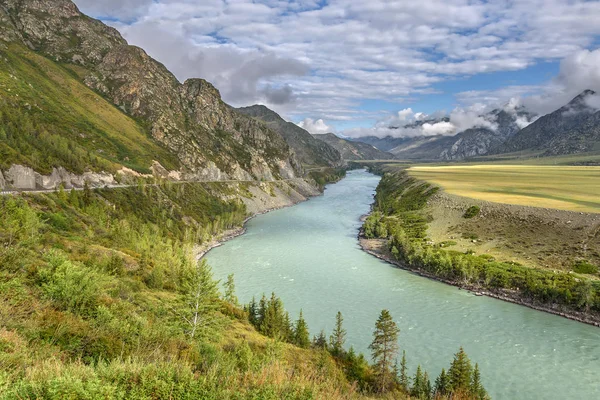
[(572, 188)]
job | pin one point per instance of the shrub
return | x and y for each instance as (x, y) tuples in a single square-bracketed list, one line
[(472, 212), (71, 285), (584, 267)]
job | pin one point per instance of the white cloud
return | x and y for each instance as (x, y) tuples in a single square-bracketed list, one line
[(330, 57), (315, 127)]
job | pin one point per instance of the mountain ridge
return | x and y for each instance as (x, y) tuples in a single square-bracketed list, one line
[(210, 139)]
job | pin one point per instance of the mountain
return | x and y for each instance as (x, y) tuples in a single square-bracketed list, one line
[(351, 150), (134, 112), (309, 150), (573, 128), (469, 143)]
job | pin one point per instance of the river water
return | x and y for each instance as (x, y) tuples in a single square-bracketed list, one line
[(309, 256)]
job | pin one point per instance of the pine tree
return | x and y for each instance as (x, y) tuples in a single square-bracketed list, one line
[(441, 384), (288, 328), (301, 334), (261, 312), (200, 299), (87, 193), (404, 380), (252, 310), (384, 349), (427, 390), (230, 290), (338, 337), (320, 342), (477, 389), (273, 323), (459, 374)]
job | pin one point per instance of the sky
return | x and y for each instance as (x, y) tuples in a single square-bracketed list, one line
[(356, 67)]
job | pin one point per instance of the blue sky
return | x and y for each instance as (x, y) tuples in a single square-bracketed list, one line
[(349, 66)]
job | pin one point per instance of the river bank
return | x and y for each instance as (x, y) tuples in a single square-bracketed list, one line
[(262, 198), (378, 248)]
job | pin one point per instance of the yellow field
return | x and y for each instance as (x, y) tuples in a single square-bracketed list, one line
[(574, 188)]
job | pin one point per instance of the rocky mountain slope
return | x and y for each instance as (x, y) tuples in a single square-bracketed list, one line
[(470, 143), (187, 127), (308, 150), (351, 150), (573, 128)]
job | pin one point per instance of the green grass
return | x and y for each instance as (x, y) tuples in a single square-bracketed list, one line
[(93, 287), (574, 188), (48, 118)]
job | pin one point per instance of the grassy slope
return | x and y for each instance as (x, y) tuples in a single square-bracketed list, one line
[(49, 118), (574, 188), (401, 215), (91, 296)]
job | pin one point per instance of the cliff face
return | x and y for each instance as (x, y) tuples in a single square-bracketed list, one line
[(209, 138), (309, 150)]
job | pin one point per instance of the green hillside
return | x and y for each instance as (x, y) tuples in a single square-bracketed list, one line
[(48, 118)]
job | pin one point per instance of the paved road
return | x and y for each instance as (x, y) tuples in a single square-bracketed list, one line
[(17, 192)]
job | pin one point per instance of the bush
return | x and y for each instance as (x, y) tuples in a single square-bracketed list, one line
[(72, 286), (584, 267), (472, 212)]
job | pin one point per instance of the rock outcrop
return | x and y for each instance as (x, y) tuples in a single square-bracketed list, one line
[(19, 177), (211, 140), (308, 150)]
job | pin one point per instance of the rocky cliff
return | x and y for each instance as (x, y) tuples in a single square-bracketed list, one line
[(209, 139), (309, 150)]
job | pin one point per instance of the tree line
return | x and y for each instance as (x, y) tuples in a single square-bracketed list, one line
[(399, 216), (384, 375)]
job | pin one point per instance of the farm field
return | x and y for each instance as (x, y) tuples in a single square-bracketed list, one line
[(572, 188)]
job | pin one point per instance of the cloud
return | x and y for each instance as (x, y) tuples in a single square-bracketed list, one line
[(315, 127), (115, 9), (242, 76), (317, 58)]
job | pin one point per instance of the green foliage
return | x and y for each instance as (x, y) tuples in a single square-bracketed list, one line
[(50, 119), (199, 303), (384, 349), (301, 334), (73, 287), (398, 206), (585, 267), (229, 286), (472, 212), (323, 176), (338, 336)]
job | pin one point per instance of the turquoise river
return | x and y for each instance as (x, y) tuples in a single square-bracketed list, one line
[(309, 256)]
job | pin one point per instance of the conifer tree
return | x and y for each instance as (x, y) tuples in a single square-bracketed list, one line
[(200, 295), (301, 334), (288, 328), (459, 374), (404, 380), (427, 390), (338, 337), (320, 342), (230, 290), (252, 310), (384, 349), (477, 389), (441, 387)]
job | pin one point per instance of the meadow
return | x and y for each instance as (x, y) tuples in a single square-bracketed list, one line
[(565, 187)]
